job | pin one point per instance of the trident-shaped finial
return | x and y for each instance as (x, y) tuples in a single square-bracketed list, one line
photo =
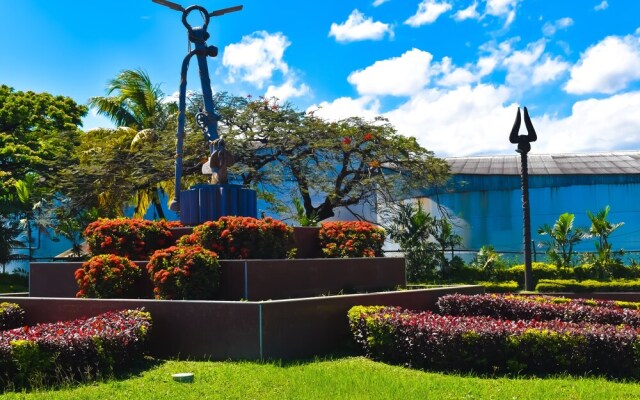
[(523, 140)]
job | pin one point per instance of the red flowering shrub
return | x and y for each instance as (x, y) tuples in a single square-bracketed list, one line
[(184, 273), (107, 276), (11, 316), (243, 237), (351, 239), (135, 239), (483, 344), (77, 349), (543, 308)]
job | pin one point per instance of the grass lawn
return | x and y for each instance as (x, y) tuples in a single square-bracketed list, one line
[(344, 378)]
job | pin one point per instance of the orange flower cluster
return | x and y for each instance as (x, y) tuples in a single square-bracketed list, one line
[(351, 239), (184, 273), (135, 239), (243, 237), (107, 276)]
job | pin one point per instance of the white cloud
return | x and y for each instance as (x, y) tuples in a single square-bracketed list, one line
[(607, 67), (466, 120), (287, 90), (358, 27), (549, 70), (602, 6), (520, 64), (256, 57), (376, 3), (502, 8), (606, 124), (470, 12), (428, 12), (399, 76), (345, 107), (550, 28)]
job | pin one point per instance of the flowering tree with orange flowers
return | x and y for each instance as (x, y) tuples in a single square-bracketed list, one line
[(288, 154)]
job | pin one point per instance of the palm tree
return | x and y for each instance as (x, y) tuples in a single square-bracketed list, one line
[(602, 229), (133, 101), (563, 238)]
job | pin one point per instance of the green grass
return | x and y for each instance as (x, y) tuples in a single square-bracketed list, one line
[(13, 283), (344, 378)]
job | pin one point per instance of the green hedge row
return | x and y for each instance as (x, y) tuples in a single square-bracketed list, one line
[(572, 285)]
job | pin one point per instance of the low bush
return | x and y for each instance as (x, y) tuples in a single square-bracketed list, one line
[(107, 276), (541, 308), (351, 239), (135, 239), (184, 273), (74, 350), (500, 287), (242, 237), (588, 286), (11, 316), (488, 345)]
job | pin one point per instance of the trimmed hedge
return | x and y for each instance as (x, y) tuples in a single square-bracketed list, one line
[(500, 287), (542, 308), (11, 316), (72, 350), (488, 345), (572, 285)]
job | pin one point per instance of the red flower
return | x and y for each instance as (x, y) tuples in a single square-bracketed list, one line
[(367, 137), (346, 140)]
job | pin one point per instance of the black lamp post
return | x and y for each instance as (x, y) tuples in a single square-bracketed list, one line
[(524, 145)]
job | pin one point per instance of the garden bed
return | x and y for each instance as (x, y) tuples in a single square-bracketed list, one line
[(220, 330)]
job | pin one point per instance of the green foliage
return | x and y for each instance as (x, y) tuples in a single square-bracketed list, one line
[(500, 287), (424, 239), (563, 237), (38, 132), (301, 215), (572, 285), (601, 229)]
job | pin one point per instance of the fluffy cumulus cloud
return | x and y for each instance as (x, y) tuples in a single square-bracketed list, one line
[(596, 73), (428, 12), (345, 107), (399, 76), (550, 69), (358, 27), (470, 12), (256, 58), (463, 121), (287, 90), (594, 125)]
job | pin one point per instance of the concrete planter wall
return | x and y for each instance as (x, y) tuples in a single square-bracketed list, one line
[(219, 330), (255, 279)]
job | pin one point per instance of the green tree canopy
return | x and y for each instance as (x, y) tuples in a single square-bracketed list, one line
[(341, 163), (38, 133)]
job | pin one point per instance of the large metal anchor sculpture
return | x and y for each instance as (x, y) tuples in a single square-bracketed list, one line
[(208, 119), (524, 146)]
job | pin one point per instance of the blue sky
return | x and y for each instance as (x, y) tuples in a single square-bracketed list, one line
[(449, 72)]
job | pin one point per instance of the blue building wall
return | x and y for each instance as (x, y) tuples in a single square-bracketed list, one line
[(488, 209)]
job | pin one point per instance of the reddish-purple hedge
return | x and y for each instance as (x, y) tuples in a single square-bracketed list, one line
[(79, 349), (488, 345), (538, 307)]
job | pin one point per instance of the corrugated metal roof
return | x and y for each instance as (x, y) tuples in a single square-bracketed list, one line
[(613, 163)]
